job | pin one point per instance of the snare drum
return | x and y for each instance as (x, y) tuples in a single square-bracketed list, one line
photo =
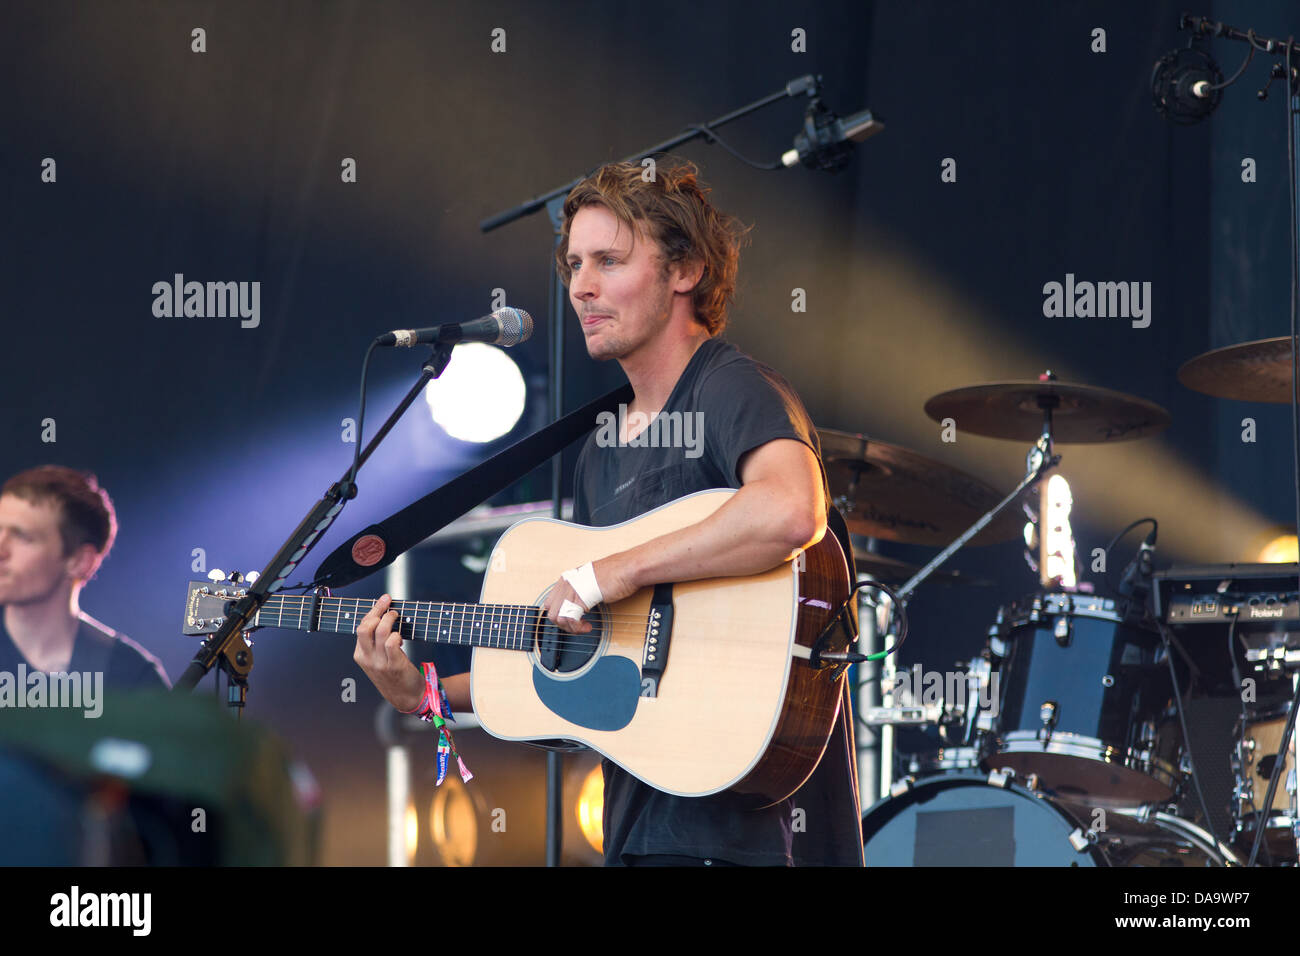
[(1086, 702), (1253, 763)]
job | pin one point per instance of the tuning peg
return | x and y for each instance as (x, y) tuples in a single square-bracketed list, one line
[(216, 574)]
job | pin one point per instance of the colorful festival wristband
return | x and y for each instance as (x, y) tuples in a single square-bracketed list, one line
[(437, 708)]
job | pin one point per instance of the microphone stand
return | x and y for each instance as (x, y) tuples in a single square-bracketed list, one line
[(228, 648), (1284, 68), (553, 201)]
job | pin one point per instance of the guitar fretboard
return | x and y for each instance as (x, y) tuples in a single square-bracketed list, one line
[(511, 626)]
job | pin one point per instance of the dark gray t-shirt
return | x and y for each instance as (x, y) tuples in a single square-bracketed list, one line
[(98, 649), (724, 405)]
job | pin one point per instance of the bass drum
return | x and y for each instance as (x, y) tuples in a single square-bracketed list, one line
[(972, 819), (962, 819), (1138, 838)]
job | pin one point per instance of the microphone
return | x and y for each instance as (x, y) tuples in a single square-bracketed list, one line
[(504, 327), (1137, 576), (1186, 85), (826, 140)]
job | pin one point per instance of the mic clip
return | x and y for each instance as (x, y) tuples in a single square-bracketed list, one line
[(820, 144)]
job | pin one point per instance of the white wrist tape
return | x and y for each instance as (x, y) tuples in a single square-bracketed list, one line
[(583, 580), (570, 610)]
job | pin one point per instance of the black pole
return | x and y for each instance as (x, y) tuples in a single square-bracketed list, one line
[(555, 309)]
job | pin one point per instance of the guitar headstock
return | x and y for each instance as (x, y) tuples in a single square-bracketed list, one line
[(206, 601)]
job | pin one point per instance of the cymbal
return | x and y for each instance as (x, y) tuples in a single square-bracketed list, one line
[(1080, 413), (1257, 371), (890, 492), (894, 571)]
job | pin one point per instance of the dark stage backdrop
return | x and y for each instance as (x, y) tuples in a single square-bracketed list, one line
[(227, 165)]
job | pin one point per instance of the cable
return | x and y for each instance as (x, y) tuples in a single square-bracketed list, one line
[(361, 420), (711, 137), (898, 610), (1106, 579), (1240, 70)]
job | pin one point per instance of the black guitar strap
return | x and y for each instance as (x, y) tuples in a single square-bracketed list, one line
[(380, 544)]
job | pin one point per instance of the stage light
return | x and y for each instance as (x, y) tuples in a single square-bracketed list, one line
[(412, 834), (1281, 549), (590, 809), (1057, 534), (454, 823), (480, 395)]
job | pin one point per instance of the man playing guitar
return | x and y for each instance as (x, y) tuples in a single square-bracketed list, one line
[(651, 267)]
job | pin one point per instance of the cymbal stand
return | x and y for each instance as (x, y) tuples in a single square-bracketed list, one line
[(1040, 460)]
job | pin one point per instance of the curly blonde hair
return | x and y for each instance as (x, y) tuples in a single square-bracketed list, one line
[(673, 209)]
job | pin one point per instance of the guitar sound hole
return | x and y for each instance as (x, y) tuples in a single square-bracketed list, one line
[(561, 652)]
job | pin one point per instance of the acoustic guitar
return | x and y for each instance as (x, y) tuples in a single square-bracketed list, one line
[(694, 687)]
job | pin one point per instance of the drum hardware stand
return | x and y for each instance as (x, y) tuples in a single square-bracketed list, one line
[(872, 748), (1186, 761), (973, 697), (1040, 459), (1038, 462)]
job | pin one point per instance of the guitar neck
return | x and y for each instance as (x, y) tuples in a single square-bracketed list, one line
[(510, 626)]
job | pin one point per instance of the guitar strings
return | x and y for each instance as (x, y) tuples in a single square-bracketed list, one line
[(517, 620), (514, 615), (562, 640)]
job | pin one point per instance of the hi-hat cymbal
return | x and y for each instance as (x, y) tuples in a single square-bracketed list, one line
[(1080, 413), (1257, 371), (887, 491)]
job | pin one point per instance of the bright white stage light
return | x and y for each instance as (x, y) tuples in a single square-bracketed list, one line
[(479, 396), (1057, 535)]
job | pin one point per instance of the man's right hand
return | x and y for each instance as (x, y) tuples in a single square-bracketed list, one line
[(379, 653)]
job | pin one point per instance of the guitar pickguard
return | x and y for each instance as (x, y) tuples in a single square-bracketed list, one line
[(604, 698)]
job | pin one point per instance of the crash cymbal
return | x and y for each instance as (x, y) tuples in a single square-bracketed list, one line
[(894, 571), (889, 492), (1080, 413), (1257, 371)]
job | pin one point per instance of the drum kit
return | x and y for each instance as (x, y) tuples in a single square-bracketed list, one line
[(1065, 741)]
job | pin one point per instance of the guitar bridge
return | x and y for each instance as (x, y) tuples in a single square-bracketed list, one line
[(658, 632)]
